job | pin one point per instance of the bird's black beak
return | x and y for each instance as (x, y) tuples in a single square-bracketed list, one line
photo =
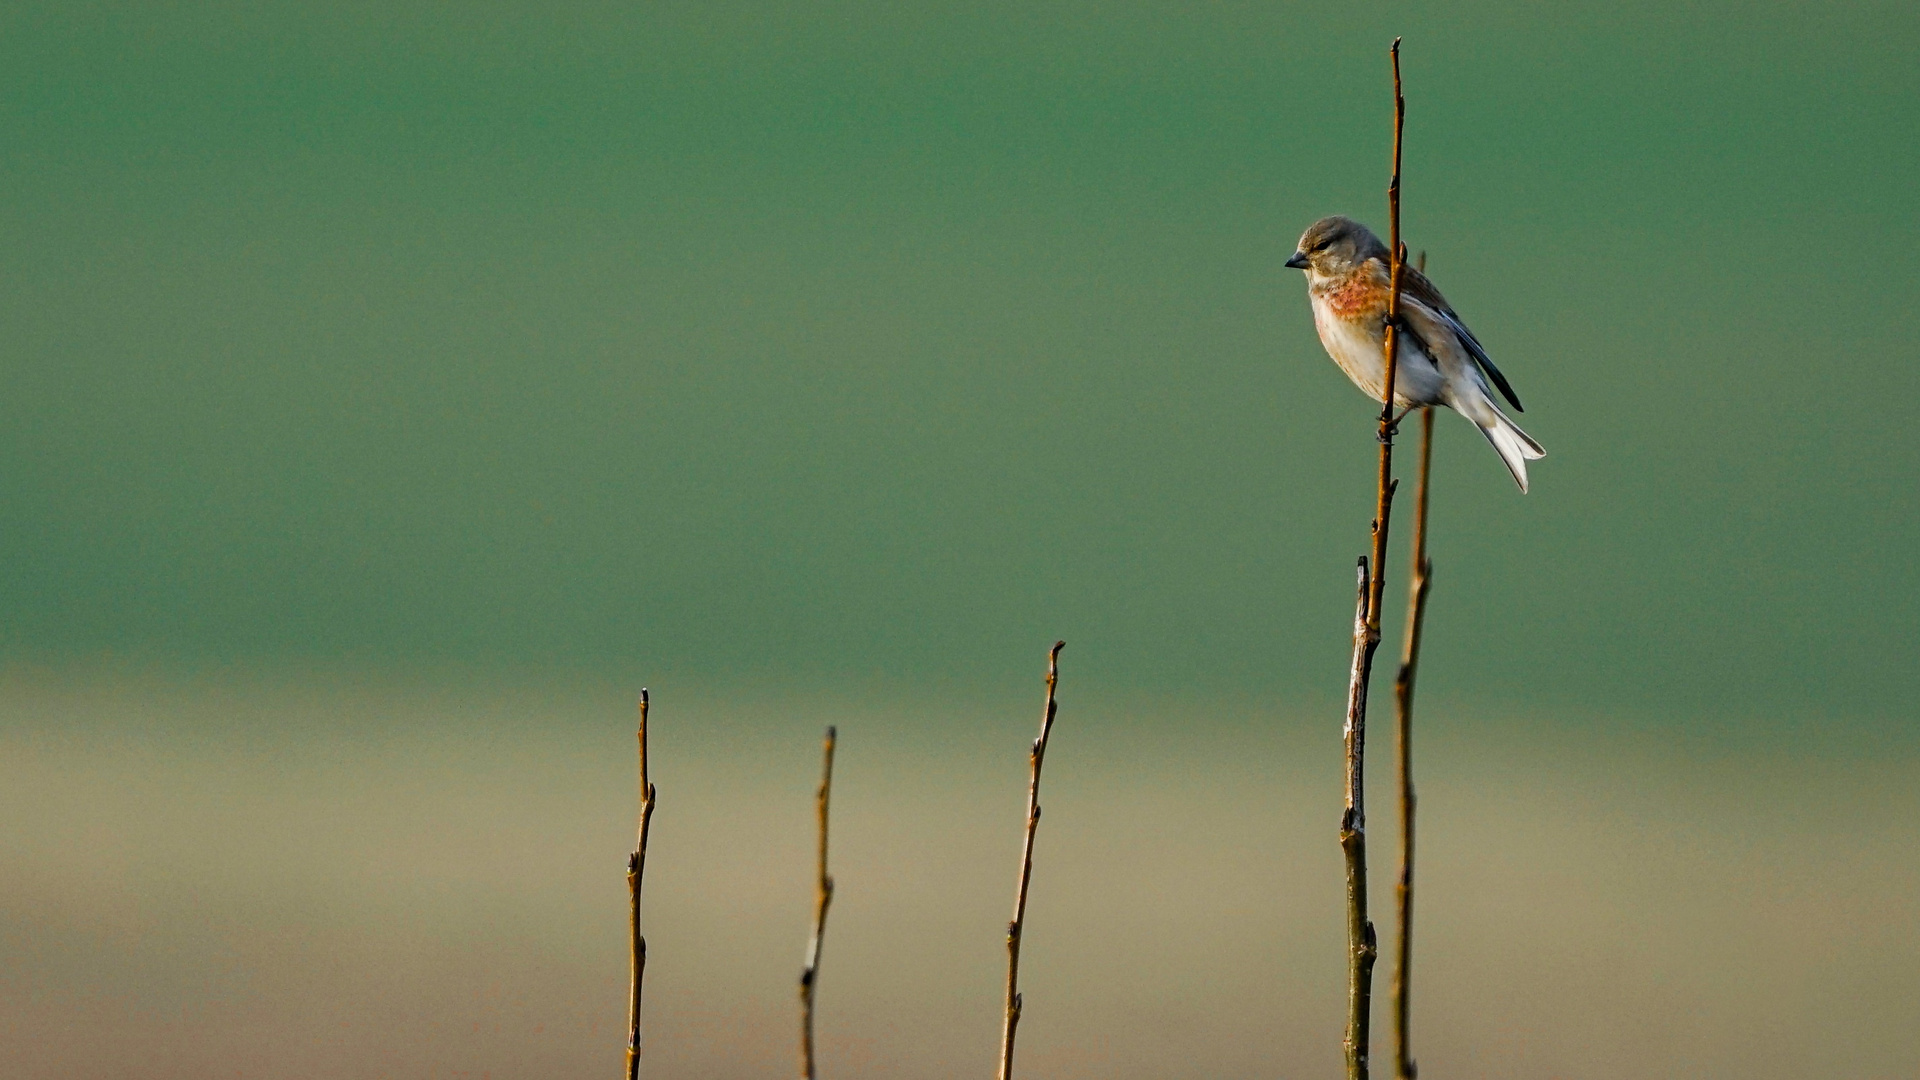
[(1299, 260)]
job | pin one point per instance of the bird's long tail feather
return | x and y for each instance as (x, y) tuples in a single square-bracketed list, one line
[(1514, 446)]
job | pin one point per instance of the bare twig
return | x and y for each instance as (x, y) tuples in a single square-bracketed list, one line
[(1403, 701), (823, 895), (1361, 947), (1015, 928), (1353, 841), (636, 870)]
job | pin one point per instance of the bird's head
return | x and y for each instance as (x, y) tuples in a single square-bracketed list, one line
[(1335, 246)]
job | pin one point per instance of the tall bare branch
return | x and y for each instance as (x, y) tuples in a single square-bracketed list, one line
[(1420, 583), (636, 871), (1017, 927), (823, 896), (1361, 947)]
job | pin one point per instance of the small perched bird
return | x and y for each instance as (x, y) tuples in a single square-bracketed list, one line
[(1349, 280)]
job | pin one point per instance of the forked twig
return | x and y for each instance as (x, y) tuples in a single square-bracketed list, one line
[(636, 870), (823, 895), (1361, 947), (1018, 925)]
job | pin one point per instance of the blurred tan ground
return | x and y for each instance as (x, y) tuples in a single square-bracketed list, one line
[(208, 882)]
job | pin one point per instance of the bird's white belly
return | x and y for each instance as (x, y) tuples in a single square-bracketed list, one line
[(1416, 381)]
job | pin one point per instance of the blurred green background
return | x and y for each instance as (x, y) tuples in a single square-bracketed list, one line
[(379, 376)]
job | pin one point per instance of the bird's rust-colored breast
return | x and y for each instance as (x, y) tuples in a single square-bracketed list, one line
[(1360, 293)]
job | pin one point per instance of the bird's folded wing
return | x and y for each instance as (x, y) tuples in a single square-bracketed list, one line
[(1427, 303)]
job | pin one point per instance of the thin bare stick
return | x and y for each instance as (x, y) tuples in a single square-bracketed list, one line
[(1403, 701), (1018, 925), (823, 895), (1353, 841), (636, 870), (1361, 947)]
